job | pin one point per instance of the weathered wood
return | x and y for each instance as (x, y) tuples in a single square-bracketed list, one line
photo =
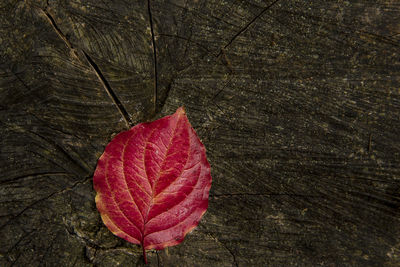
[(297, 102)]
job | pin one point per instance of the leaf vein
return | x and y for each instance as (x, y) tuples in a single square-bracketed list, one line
[(176, 203), (113, 197)]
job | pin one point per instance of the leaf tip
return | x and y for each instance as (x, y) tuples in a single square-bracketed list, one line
[(181, 110)]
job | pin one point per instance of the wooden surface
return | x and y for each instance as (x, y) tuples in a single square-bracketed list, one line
[(297, 103)]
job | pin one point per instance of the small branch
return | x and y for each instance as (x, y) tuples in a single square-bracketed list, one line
[(154, 56)]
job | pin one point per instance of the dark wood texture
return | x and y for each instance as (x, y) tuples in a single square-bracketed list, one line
[(297, 103)]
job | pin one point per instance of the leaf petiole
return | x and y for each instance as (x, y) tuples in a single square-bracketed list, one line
[(144, 255)]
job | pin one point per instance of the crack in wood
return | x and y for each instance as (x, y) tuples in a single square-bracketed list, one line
[(30, 176), (107, 87), (350, 30), (263, 195), (45, 198), (88, 242), (154, 55), (76, 159), (247, 26), (22, 238), (166, 95), (370, 143), (66, 133), (188, 40), (109, 90), (158, 259), (58, 31), (228, 249)]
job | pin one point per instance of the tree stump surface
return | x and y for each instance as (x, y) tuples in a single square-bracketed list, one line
[(297, 103)]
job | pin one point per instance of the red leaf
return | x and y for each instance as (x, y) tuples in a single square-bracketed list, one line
[(152, 182)]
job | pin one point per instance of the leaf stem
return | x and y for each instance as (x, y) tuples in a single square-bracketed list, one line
[(144, 255)]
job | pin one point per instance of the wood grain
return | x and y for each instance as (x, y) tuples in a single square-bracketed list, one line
[(297, 103)]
